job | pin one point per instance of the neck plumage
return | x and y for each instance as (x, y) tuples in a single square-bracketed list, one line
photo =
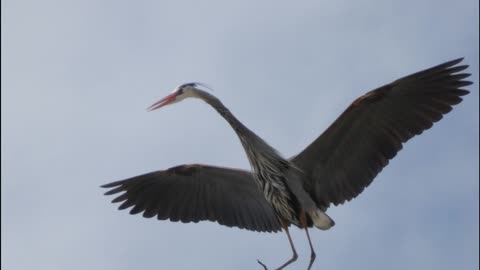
[(256, 148), (245, 134)]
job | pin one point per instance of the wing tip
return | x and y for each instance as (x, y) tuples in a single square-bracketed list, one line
[(111, 192), (454, 62), (112, 184)]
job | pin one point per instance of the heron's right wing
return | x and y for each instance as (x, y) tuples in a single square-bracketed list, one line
[(192, 193), (347, 157)]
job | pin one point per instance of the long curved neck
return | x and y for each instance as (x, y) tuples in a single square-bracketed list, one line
[(256, 148), (242, 131)]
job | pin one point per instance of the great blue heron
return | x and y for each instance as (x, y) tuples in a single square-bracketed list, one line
[(335, 168)]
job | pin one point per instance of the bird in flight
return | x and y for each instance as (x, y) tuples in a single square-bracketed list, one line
[(278, 191)]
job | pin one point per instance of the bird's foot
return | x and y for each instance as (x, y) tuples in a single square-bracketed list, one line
[(264, 266)]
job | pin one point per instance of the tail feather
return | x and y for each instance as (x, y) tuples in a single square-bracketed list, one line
[(321, 220)]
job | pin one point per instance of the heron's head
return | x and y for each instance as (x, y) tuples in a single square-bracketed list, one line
[(180, 93)]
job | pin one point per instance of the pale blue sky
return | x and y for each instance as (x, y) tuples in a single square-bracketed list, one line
[(77, 77)]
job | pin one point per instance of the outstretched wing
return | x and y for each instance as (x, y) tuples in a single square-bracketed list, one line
[(354, 149), (191, 193)]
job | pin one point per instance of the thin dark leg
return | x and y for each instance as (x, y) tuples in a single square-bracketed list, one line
[(294, 257), (264, 266), (312, 254), (303, 220)]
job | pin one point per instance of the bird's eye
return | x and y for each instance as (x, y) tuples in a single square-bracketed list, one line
[(180, 91)]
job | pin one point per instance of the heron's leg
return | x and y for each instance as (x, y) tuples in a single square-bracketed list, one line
[(264, 266), (303, 221), (294, 257)]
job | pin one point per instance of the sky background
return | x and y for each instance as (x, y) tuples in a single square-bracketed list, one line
[(77, 77)]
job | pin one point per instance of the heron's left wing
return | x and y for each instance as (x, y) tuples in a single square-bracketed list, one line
[(353, 150), (192, 193)]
